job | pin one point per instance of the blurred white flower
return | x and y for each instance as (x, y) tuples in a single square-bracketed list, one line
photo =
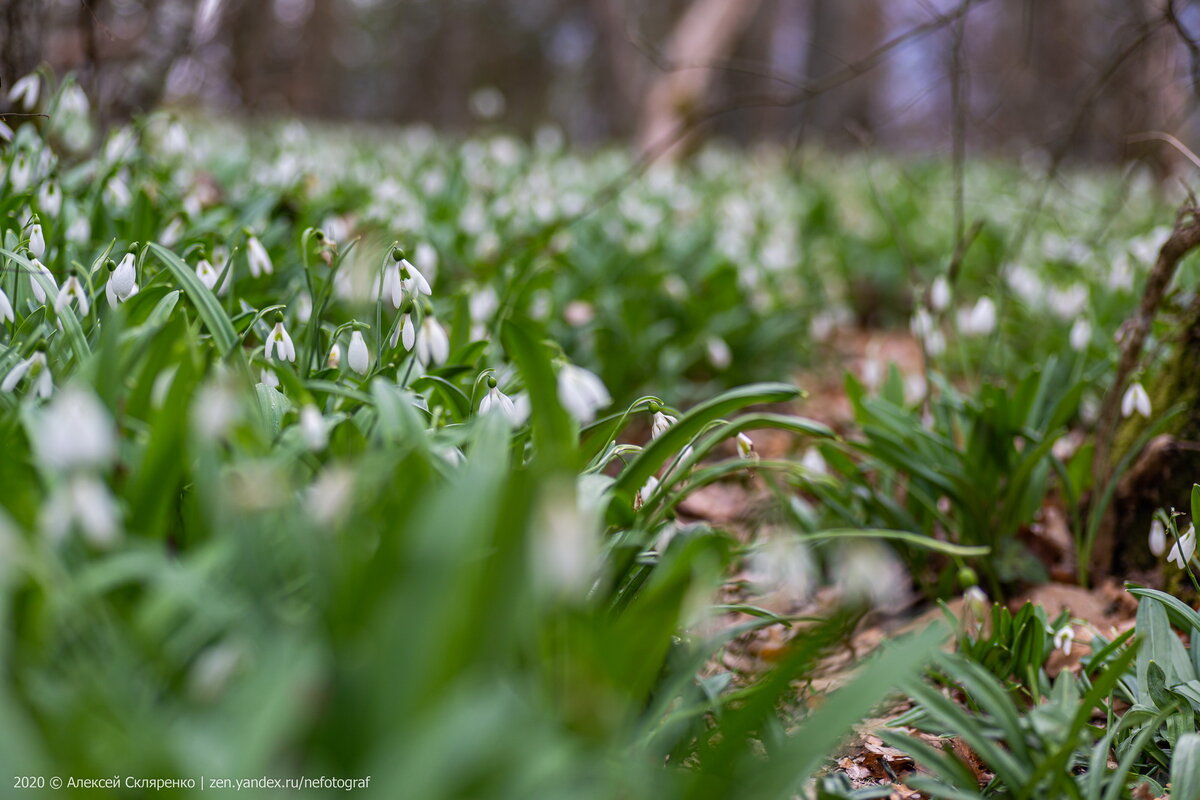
[(86, 503), (25, 92), (50, 199), (334, 359), (117, 193), (72, 290), (939, 294), (213, 670), (581, 393), (980, 319), (783, 566), (74, 431), (280, 343), (1183, 550), (6, 309), (433, 345), (976, 601), (39, 375), (80, 230), (313, 427), (357, 356), (1158, 538), (37, 240), (121, 283), (578, 313), (814, 462), (207, 273), (269, 378), (871, 572), (20, 173), (565, 539), (1135, 399), (718, 352), (257, 258), (171, 234), (1081, 334)]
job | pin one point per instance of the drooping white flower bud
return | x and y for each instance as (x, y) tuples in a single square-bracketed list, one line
[(25, 92), (496, 401), (314, 428), (745, 446), (37, 240), (581, 393), (39, 375), (357, 356), (6, 309), (659, 424), (207, 273), (1183, 550), (334, 359), (122, 283), (257, 258), (433, 345), (1081, 334), (1157, 538), (35, 285), (50, 199), (1063, 638), (939, 294), (74, 431), (1135, 399), (72, 290), (980, 319)]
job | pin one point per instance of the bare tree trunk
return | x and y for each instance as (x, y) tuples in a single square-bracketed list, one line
[(20, 39), (841, 31), (706, 33)]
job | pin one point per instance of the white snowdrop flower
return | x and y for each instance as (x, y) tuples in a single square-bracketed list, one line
[(870, 571), (578, 313), (314, 428), (1063, 638), (782, 566), (980, 320), (977, 601), (1069, 302), (659, 424), (257, 258), (745, 446), (85, 503), (426, 259), (172, 233), (280, 344), (392, 287), (213, 670), (121, 283), (20, 173), (496, 401), (80, 230), (925, 328), (581, 393), (718, 352), (39, 375), (433, 345), (331, 496), (116, 191), (414, 281), (939, 294), (1158, 538), (74, 431), (35, 285), (207, 273), (1081, 334), (406, 332), (72, 289), (269, 378), (646, 492), (175, 140), (1135, 399), (483, 304), (565, 540), (50, 199), (814, 462), (334, 359), (25, 92), (6, 133), (357, 356), (1183, 550), (37, 240), (6, 309)]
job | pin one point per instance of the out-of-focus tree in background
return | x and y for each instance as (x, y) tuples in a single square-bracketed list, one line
[(1030, 75)]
